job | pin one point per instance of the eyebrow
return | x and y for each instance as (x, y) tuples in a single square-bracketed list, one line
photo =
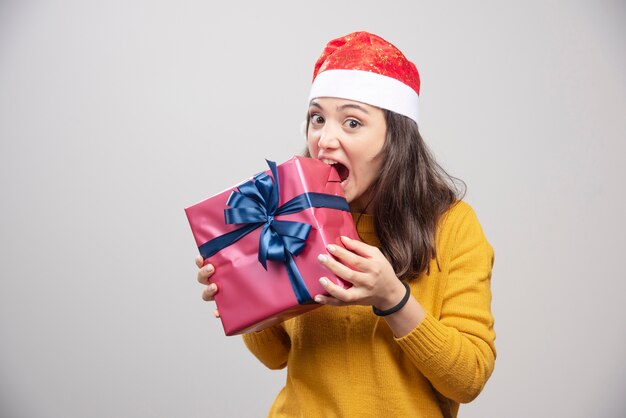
[(342, 107), (315, 104)]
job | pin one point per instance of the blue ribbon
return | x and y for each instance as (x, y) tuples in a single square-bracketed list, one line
[(255, 205)]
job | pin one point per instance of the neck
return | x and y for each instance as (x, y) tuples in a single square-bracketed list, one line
[(360, 209), (362, 205)]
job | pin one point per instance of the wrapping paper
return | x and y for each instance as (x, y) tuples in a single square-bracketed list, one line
[(255, 290)]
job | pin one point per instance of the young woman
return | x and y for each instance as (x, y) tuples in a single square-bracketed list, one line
[(414, 334)]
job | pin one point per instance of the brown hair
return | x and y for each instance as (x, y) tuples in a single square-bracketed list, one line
[(409, 197)]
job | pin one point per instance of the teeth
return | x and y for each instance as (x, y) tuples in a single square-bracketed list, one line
[(329, 162)]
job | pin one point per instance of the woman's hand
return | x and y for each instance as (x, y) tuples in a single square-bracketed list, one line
[(373, 283), (373, 279), (204, 273)]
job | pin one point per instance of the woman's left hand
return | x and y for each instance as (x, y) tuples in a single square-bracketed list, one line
[(373, 279)]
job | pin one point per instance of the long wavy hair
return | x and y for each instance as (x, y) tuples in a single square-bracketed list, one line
[(409, 197)]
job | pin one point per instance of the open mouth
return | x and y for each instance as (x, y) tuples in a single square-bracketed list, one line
[(341, 169)]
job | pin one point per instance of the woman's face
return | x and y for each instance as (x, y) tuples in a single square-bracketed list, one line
[(349, 135)]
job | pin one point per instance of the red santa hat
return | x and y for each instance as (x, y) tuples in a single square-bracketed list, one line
[(365, 68)]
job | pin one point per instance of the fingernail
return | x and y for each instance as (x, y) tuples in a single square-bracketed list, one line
[(343, 237), (331, 248), (209, 268), (322, 258), (323, 281), (212, 287), (318, 299)]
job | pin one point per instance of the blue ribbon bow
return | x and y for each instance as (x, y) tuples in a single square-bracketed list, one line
[(255, 204)]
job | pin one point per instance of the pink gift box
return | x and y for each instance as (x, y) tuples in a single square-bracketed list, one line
[(310, 198)]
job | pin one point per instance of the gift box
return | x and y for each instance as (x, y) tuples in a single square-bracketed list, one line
[(264, 235)]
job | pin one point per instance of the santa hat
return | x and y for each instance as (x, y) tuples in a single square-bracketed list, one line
[(365, 68)]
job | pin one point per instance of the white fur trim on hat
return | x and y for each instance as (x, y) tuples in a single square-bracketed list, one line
[(367, 87)]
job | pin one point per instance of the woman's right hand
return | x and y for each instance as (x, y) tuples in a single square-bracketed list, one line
[(204, 274)]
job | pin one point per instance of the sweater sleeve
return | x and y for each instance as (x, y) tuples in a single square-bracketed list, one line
[(456, 352), (271, 346)]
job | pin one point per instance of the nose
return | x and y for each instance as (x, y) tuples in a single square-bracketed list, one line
[(329, 137)]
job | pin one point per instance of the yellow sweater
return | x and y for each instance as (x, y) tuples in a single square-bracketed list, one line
[(345, 361)]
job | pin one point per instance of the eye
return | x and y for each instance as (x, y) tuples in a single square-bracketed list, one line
[(353, 123), (316, 119)]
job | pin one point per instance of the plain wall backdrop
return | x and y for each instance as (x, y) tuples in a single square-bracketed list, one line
[(115, 115)]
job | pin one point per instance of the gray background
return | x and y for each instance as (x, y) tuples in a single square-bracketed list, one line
[(116, 115)]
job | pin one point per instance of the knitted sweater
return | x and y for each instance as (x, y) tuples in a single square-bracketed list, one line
[(346, 362)]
